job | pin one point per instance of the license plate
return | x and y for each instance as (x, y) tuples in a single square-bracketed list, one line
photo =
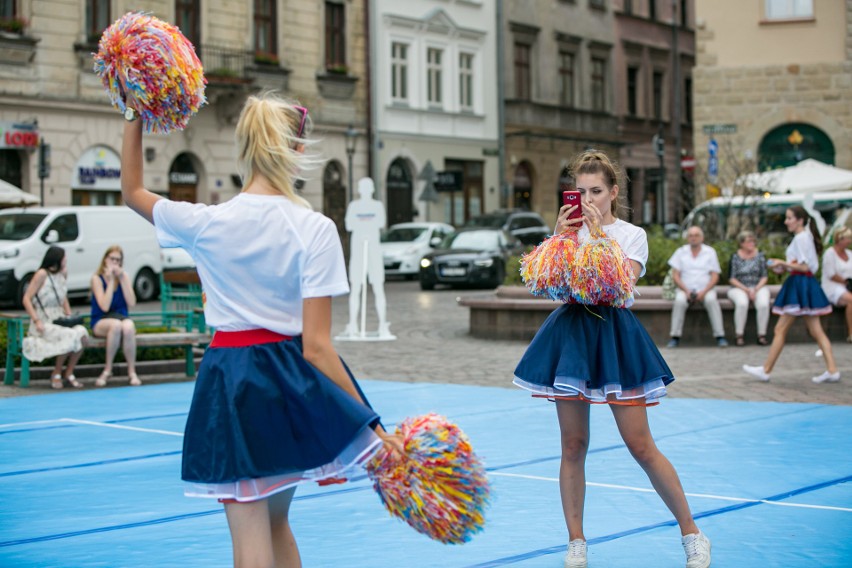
[(453, 272)]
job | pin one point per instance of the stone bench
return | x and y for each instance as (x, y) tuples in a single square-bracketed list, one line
[(511, 312)]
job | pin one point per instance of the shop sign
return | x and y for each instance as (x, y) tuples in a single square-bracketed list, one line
[(183, 178), (98, 168), (17, 135)]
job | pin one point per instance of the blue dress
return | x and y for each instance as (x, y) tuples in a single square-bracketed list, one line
[(599, 354), (118, 305)]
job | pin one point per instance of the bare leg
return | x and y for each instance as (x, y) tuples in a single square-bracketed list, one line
[(110, 329), (778, 340), (128, 344), (284, 546), (632, 424), (574, 433), (57, 367), (251, 535), (72, 362), (816, 331)]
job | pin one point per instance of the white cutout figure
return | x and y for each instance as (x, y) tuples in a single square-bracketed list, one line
[(365, 218)]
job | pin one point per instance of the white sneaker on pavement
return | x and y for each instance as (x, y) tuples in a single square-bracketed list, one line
[(827, 377), (757, 372), (576, 557), (697, 549)]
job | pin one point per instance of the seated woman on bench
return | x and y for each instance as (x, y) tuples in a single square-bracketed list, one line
[(112, 295)]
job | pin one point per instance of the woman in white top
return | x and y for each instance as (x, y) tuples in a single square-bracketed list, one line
[(46, 300), (837, 274), (800, 296), (274, 406), (586, 354)]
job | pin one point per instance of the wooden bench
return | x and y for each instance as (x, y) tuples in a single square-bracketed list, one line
[(182, 330), (511, 312)]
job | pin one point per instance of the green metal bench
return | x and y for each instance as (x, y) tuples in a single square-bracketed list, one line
[(181, 330)]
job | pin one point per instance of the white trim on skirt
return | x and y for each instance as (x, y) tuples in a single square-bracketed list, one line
[(567, 386), (355, 455)]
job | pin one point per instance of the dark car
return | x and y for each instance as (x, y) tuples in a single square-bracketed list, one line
[(527, 226), (469, 257)]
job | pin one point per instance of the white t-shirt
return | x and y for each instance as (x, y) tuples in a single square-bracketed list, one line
[(695, 270), (258, 257), (833, 265), (632, 240), (803, 251)]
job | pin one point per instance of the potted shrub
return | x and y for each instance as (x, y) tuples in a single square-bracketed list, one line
[(261, 58), (13, 25)]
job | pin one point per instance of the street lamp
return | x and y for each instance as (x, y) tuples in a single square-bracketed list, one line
[(351, 139)]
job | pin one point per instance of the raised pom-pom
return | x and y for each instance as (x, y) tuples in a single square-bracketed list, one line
[(148, 65), (439, 486), (546, 269)]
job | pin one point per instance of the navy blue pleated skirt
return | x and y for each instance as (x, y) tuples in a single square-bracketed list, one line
[(801, 295), (595, 353), (263, 419)]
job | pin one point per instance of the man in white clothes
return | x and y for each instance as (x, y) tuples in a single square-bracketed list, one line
[(365, 218), (695, 271)]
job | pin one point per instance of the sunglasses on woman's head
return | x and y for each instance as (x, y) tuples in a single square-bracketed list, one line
[(304, 112)]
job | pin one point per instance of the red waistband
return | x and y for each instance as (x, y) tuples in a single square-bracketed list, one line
[(794, 273), (246, 338)]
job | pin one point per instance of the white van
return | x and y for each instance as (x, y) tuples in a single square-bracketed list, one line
[(85, 233)]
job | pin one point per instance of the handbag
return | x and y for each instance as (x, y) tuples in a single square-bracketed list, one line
[(849, 284), (66, 321), (69, 321)]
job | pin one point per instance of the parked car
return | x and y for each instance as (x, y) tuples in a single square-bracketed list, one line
[(470, 257), (527, 226), (85, 233), (175, 258), (404, 244)]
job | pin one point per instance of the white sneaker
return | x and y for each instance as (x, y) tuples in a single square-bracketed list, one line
[(827, 377), (697, 549), (757, 372), (576, 557)]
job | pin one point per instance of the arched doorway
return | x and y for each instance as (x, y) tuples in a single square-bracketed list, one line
[(790, 143), (522, 184), (400, 191), (334, 199), (183, 179)]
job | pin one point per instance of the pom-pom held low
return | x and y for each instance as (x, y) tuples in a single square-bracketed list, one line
[(439, 486)]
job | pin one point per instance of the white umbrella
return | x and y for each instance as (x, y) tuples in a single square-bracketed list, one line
[(11, 195), (808, 176)]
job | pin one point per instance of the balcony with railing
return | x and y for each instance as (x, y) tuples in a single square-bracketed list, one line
[(230, 68)]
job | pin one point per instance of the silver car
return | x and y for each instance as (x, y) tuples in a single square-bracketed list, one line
[(404, 244)]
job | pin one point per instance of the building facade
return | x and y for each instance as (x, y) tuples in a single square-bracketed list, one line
[(313, 52), (773, 86), (435, 109), (653, 60), (559, 96)]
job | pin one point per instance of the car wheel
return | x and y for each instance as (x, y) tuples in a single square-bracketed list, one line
[(22, 289), (145, 285), (426, 284)]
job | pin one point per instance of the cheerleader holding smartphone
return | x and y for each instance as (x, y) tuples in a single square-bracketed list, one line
[(586, 354), (274, 406)]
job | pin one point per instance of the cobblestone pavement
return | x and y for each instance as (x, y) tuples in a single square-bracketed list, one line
[(433, 345)]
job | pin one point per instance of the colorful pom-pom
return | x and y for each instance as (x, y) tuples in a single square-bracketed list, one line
[(439, 487), (595, 272), (546, 269), (148, 65)]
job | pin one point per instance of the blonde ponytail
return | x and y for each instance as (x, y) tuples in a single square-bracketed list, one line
[(267, 136)]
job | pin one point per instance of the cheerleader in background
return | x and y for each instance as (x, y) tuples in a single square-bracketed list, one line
[(588, 354), (800, 296)]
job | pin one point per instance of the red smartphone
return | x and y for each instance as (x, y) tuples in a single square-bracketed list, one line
[(573, 198)]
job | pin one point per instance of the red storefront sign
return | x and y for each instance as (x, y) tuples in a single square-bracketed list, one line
[(18, 136)]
